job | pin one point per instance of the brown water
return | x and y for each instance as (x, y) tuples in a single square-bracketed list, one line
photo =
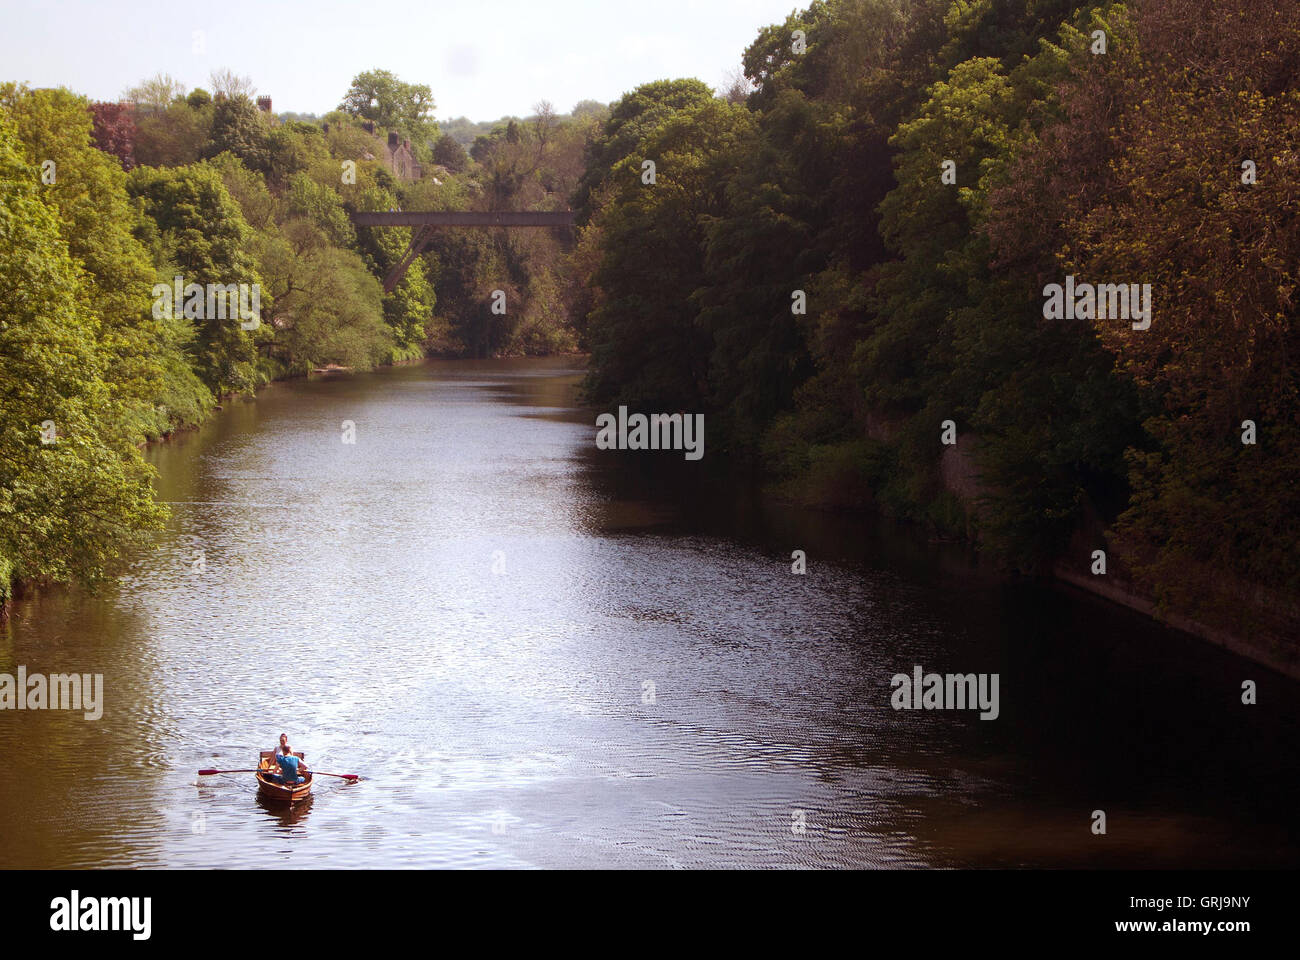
[(465, 607)]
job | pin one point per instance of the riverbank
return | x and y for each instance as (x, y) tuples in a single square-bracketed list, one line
[(13, 588), (1245, 618), (1269, 647)]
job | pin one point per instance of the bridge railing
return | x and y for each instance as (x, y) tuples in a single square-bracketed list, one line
[(429, 221), (466, 218)]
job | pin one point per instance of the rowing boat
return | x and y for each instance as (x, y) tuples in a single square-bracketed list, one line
[(268, 789)]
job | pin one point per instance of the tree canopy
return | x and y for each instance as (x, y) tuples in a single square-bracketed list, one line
[(379, 96)]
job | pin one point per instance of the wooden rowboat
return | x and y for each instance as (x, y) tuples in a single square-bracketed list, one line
[(268, 789)]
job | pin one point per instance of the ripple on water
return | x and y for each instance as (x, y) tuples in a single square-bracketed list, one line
[(531, 660)]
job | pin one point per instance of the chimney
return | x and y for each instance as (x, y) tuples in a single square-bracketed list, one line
[(264, 104), (406, 144), (392, 141)]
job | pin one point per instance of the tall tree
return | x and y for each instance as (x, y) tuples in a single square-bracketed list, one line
[(149, 375), (378, 95), (73, 492), (196, 229)]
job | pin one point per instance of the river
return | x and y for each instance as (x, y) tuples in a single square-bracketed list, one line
[(538, 654)]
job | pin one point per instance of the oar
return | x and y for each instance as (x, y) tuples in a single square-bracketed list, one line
[(208, 773), (351, 777)]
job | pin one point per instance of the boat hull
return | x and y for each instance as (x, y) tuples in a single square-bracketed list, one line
[(274, 792)]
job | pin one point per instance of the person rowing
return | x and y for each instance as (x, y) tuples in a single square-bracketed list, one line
[(292, 769)]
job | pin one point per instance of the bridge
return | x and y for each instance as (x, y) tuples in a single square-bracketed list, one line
[(427, 222)]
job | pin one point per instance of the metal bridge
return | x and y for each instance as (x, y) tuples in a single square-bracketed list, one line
[(429, 221)]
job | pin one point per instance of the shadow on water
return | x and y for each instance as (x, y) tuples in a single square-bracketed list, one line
[(1101, 708)]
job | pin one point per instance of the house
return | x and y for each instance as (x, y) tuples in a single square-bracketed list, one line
[(400, 159)]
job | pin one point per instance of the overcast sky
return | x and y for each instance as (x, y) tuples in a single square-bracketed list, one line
[(482, 58)]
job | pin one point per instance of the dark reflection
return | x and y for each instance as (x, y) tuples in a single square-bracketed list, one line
[(285, 814)]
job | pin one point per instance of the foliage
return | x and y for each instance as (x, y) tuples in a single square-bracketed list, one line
[(1159, 197), (67, 507), (114, 131), (379, 96), (450, 154), (925, 298), (150, 379), (238, 128), (196, 228)]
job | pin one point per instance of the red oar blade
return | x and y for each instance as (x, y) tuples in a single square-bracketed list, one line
[(208, 773)]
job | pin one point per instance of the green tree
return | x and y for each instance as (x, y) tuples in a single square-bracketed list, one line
[(631, 119), (327, 306), (324, 207), (157, 93), (648, 348), (450, 154), (378, 95), (238, 127), (172, 136), (67, 507), (409, 308), (148, 374), (196, 229), (1142, 179)]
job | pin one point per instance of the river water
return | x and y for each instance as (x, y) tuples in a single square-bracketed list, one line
[(538, 654)]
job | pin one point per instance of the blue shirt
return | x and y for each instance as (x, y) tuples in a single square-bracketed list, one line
[(289, 767)]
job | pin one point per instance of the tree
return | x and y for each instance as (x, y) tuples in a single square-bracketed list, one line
[(156, 93), (735, 86), (450, 154), (631, 118), (173, 136), (115, 131), (238, 127), (154, 389), (248, 188), (648, 347), (73, 493), (589, 108), (291, 148), (328, 307), (380, 96), (409, 308), (231, 86), (196, 229), (1141, 179), (323, 206)]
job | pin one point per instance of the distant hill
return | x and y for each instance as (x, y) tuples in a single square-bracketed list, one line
[(464, 130)]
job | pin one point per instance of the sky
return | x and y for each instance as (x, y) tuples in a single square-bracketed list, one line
[(482, 59)]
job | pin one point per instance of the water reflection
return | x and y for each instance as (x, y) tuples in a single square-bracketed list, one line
[(540, 654), (284, 814)]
